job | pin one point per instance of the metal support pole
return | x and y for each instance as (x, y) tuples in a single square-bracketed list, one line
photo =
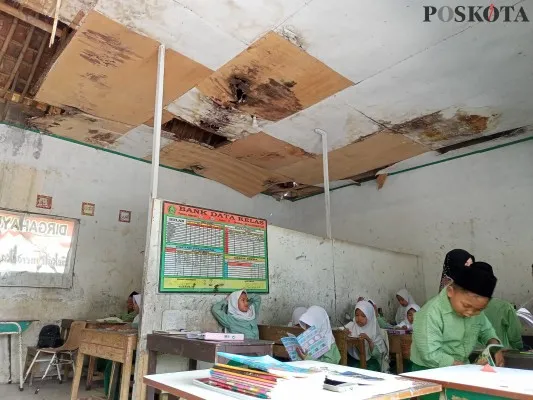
[(324, 136), (158, 111)]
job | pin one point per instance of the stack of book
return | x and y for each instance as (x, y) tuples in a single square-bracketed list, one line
[(262, 378), (242, 380)]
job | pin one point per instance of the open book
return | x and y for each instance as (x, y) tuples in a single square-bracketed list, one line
[(311, 341), (487, 356)]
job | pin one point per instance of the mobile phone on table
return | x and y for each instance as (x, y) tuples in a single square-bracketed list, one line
[(337, 386)]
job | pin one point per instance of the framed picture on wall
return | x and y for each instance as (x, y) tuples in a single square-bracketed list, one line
[(37, 250)]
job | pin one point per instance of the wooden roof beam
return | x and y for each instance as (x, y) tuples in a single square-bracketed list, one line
[(15, 12)]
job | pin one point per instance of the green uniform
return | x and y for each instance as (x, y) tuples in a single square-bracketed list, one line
[(373, 363), (383, 324), (333, 356), (503, 318), (236, 325), (440, 336), (127, 317)]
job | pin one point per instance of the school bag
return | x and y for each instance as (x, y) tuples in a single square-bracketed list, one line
[(49, 337)]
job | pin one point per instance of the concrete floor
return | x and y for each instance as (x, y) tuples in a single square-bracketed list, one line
[(49, 391)]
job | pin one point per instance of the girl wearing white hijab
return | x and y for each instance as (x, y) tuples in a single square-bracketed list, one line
[(365, 326), (404, 298), (318, 317), (382, 322), (296, 314), (238, 313), (407, 323)]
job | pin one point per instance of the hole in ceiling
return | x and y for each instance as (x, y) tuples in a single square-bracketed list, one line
[(239, 87), (291, 191), (181, 130), (24, 59)]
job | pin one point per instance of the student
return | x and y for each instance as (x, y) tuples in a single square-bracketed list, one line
[(137, 303), (407, 323), (365, 326), (382, 322), (454, 260), (404, 299), (506, 323), (318, 317), (238, 313), (447, 328), (130, 313), (296, 314)]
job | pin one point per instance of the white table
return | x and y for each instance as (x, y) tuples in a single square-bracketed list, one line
[(180, 384), (506, 382)]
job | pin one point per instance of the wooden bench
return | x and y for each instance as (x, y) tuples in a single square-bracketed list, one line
[(274, 333)]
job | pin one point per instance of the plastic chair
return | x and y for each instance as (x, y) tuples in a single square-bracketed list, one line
[(58, 354)]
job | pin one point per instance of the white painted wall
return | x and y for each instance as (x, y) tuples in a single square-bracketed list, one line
[(482, 203), (109, 257)]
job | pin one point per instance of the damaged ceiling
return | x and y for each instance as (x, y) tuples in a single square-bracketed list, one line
[(248, 82)]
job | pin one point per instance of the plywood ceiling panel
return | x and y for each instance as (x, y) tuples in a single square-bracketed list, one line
[(138, 142), (179, 28), (436, 99), (264, 151), (83, 128), (343, 124), (246, 20), (202, 111), (361, 39), (380, 149), (240, 176), (110, 71), (272, 79)]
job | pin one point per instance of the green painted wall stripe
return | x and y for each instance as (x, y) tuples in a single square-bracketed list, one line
[(66, 139), (462, 155), (435, 162)]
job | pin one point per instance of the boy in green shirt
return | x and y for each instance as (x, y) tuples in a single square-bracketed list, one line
[(503, 318), (447, 328)]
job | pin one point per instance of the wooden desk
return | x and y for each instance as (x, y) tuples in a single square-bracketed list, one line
[(180, 385), (199, 350), (117, 346), (400, 346), (360, 345), (463, 381), (65, 329)]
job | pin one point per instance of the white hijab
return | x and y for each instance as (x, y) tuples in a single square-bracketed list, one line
[(233, 307), (296, 314), (137, 298), (318, 317), (401, 313), (371, 329), (406, 322)]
